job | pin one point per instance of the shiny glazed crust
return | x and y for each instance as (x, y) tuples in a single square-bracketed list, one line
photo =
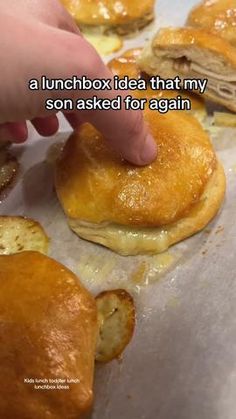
[(122, 16), (95, 185), (218, 16), (48, 330)]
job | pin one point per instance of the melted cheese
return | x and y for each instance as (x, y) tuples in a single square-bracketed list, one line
[(104, 44), (127, 240)]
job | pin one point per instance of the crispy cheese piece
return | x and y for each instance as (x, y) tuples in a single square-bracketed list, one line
[(18, 234), (116, 319), (8, 167)]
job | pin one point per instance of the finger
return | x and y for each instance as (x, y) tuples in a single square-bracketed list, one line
[(74, 119), (16, 132), (125, 130), (46, 126)]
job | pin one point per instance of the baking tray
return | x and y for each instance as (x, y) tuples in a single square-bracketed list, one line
[(181, 363)]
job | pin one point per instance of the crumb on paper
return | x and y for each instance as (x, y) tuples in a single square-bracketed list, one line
[(173, 302), (219, 229), (139, 274), (148, 272)]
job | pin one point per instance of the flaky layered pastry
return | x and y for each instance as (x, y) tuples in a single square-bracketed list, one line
[(136, 210), (123, 16), (218, 16), (48, 333), (127, 64), (194, 53)]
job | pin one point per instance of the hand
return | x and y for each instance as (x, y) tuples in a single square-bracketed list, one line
[(40, 38)]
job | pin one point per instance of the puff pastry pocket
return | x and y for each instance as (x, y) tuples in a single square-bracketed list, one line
[(123, 16), (194, 54)]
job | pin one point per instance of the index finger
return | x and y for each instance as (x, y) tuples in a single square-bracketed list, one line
[(125, 130)]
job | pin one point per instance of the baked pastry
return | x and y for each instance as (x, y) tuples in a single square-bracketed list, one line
[(135, 210), (52, 331), (218, 16), (127, 65), (48, 334), (194, 54), (123, 16)]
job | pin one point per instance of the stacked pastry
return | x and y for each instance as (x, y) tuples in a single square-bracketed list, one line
[(204, 51)]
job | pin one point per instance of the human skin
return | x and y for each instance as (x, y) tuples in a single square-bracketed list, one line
[(38, 37)]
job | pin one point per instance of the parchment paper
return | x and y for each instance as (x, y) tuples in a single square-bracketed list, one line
[(181, 363)]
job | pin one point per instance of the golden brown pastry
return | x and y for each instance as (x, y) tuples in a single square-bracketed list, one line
[(136, 210), (48, 332), (218, 16), (194, 53), (123, 16), (126, 64)]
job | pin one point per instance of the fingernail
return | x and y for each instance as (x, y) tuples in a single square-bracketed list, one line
[(149, 150)]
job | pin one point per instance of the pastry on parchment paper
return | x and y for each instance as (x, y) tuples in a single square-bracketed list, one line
[(141, 210), (123, 16), (52, 331), (48, 331), (194, 54), (218, 16)]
